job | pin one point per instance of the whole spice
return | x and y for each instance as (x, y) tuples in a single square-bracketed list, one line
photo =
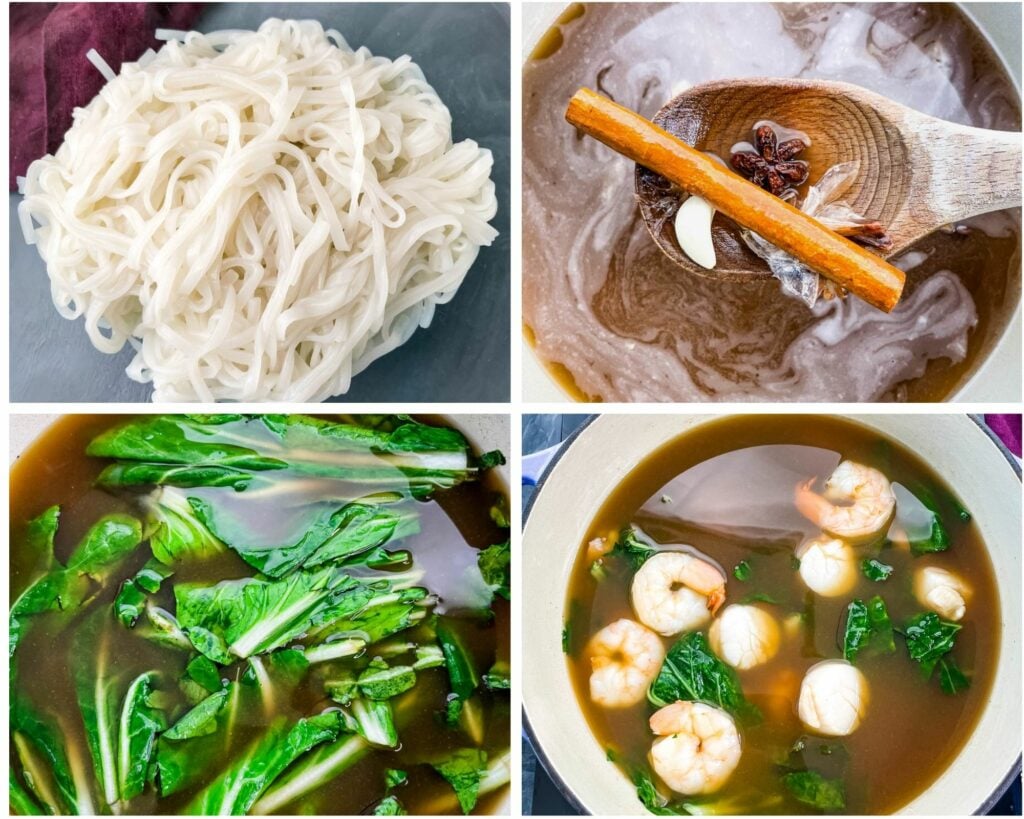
[(771, 164)]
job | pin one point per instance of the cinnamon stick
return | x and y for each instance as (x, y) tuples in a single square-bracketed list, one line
[(861, 272)]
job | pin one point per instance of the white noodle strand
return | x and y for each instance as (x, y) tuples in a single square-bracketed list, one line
[(259, 215)]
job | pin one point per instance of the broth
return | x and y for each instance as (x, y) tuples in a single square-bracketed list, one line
[(727, 490), (455, 525), (615, 320)]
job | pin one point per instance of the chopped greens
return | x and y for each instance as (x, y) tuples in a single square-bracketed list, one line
[(130, 602), (495, 566), (389, 806), (463, 770), (929, 639), (742, 571), (691, 671), (811, 788), (951, 679), (867, 628), (875, 570), (632, 548)]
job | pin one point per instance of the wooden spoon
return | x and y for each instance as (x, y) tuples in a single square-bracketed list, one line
[(917, 173)]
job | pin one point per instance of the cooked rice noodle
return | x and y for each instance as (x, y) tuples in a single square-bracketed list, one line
[(259, 214)]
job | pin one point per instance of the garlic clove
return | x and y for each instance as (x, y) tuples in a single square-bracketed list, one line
[(693, 231)]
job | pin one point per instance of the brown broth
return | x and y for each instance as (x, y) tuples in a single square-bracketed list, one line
[(614, 320), (743, 499), (55, 470)]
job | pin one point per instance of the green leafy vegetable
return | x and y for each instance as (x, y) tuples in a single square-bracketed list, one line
[(462, 673), (237, 451), (381, 682), (691, 671), (463, 770), (121, 722), (331, 535), (394, 778), (632, 548), (313, 771), (177, 532), (205, 672), (139, 725), (201, 720), (389, 806), (21, 801), (375, 721), (63, 588), (867, 628), (130, 602), (247, 776), (499, 677), (929, 639), (49, 772), (495, 566), (499, 511), (651, 798), (742, 571), (761, 597), (951, 679), (385, 614), (875, 570), (811, 788), (937, 540), (239, 618)]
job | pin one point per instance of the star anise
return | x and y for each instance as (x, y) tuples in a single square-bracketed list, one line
[(771, 165)]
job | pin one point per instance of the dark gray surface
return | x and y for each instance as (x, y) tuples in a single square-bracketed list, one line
[(463, 49), (541, 796)]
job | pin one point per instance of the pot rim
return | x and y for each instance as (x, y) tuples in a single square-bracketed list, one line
[(560, 784)]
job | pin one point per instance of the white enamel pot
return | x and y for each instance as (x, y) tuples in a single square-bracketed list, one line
[(595, 460), (484, 432), (998, 376)]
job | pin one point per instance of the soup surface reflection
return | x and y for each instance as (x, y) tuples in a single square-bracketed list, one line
[(726, 494)]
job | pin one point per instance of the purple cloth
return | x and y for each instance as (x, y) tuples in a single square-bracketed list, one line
[(1008, 429), (50, 75)]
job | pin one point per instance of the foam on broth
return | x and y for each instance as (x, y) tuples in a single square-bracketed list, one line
[(616, 321), (727, 489)]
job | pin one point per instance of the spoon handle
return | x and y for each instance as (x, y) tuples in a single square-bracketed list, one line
[(973, 171)]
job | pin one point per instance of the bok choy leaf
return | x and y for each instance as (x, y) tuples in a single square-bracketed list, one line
[(109, 541), (178, 533), (238, 618), (57, 778), (238, 787)]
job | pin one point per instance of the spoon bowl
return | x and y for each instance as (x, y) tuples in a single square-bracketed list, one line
[(916, 173)]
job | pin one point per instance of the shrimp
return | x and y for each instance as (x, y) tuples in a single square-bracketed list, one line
[(867, 502), (625, 657), (675, 591), (698, 747), (941, 591), (744, 636), (828, 566), (833, 698)]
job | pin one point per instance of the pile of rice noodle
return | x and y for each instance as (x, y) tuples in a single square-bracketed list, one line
[(259, 214)]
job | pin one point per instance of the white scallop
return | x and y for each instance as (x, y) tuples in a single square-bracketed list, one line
[(828, 566), (833, 698), (941, 591), (744, 636)]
